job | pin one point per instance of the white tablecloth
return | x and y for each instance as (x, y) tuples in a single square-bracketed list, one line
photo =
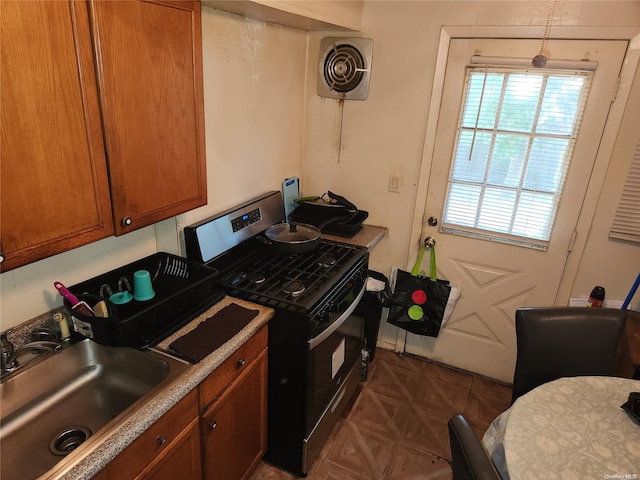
[(571, 428)]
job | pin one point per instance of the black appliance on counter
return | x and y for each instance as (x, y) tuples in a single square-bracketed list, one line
[(316, 335)]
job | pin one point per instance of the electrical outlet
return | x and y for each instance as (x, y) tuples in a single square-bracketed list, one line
[(395, 181)]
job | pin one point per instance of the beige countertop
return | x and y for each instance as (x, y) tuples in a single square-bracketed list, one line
[(85, 465), (369, 236)]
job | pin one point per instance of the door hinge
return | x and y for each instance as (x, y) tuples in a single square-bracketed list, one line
[(573, 240)]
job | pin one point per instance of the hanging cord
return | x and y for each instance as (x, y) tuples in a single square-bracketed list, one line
[(341, 109), (540, 60)]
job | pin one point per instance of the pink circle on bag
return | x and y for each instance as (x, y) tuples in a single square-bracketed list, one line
[(419, 297)]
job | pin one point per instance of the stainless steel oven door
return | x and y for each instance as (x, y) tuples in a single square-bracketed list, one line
[(333, 353), (333, 370)]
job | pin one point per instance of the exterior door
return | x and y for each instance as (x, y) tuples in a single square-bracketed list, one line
[(497, 278)]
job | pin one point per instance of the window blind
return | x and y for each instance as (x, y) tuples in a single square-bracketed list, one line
[(626, 222), (515, 139)]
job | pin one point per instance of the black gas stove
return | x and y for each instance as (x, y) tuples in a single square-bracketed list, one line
[(316, 335), (257, 274)]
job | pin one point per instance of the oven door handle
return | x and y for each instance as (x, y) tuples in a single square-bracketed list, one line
[(315, 341)]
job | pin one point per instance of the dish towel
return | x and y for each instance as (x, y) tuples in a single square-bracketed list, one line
[(214, 332)]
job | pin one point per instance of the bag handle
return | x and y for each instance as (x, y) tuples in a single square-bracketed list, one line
[(430, 243), (432, 272)]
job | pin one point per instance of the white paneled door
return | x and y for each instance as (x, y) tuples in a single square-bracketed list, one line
[(496, 277)]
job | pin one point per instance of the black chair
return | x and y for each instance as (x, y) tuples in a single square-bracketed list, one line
[(469, 458), (556, 342)]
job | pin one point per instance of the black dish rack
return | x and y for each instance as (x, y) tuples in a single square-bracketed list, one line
[(183, 290)]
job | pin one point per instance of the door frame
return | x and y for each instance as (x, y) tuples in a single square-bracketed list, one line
[(612, 125)]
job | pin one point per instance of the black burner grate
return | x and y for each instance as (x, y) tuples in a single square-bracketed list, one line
[(259, 272)]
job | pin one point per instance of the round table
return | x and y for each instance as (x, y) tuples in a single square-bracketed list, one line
[(571, 428)]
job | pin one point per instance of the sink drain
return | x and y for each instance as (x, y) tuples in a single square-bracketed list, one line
[(68, 440)]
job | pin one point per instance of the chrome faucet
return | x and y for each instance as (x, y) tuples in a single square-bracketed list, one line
[(10, 354), (7, 351)]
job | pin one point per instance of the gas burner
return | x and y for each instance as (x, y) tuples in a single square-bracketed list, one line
[(327, 260), (256, 278), (293, 288)]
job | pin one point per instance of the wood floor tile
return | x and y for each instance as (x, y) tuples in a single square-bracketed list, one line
[(442, 398), (396, 428), (426, 430), (482, 409), (399, 381), (499, 392), (408, 463), (408, 362), (359, 451), (442, 374), (380, 414)]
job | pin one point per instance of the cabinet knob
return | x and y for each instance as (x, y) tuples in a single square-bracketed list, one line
[(126, 221), (213, 425), (241, 362), (2, 257), (161, 439)]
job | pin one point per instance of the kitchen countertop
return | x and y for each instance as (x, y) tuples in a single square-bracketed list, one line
[(118, 438), (369, 236)]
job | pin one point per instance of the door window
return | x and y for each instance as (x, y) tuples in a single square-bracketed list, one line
[(516, 133)]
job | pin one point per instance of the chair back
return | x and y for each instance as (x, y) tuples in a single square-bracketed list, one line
[(556, 342), (469, 457)]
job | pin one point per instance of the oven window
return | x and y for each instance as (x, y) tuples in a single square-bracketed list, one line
[(329, 364)]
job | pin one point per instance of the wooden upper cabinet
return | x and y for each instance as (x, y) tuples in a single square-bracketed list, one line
[(53, 175), (86, 85), (149, 64)]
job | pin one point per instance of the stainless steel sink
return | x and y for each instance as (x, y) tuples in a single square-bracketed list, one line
[(69, 399)]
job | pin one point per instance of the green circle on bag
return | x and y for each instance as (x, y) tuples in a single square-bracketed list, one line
[(415, 312)]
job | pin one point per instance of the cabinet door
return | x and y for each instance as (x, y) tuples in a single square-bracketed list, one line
[(182, 460), (149, 61), (54, 187), (234, 428), (173, 442)]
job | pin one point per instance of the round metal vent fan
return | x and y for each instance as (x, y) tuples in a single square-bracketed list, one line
[(344, 68)]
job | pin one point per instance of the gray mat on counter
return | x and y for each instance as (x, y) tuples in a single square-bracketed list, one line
[(214, 332)]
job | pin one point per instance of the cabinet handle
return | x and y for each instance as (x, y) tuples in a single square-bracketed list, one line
[(161, 439), (213, 425), (126, 221), (241, 362)]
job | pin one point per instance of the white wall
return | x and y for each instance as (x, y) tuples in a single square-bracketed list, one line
[(613, 264), (254, 79), (254, 89), (384, 135), (261, 123)]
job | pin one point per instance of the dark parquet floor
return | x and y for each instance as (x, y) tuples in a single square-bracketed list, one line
[(396, 429)]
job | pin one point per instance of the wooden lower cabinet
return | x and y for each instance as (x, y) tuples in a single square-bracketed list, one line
[(181, 460), (234, 423), (169, 449), (225, 442)]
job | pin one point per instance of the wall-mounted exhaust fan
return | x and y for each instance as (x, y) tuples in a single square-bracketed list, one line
[(345, 67)]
